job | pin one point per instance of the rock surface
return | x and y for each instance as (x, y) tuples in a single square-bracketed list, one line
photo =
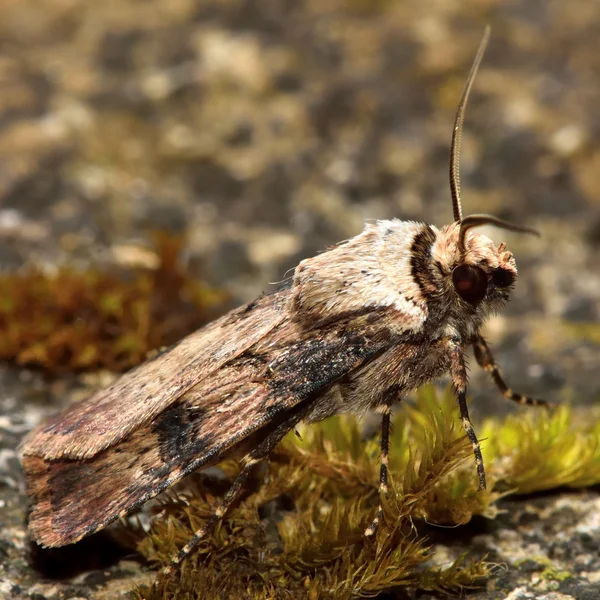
[(269, 129)]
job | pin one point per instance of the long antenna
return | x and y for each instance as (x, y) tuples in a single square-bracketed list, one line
[(458, 126), (479, 220)]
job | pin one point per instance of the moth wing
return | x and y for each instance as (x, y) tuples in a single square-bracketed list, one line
[(108, 416), (238, 406)]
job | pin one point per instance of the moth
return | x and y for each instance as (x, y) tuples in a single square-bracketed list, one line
[(355, 329)]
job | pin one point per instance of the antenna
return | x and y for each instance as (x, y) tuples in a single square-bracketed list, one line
[(479, 220), (458, 126)]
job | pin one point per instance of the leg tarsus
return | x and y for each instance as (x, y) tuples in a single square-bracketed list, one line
[(468, 427)]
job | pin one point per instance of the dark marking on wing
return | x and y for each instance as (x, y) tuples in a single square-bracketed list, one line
[(178, 427), (311, 364)]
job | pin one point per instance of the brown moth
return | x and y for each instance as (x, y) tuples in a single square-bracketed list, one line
[(356, 328)]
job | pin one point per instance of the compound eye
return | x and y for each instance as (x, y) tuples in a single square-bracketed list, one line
[(470, 283), (502, 278)]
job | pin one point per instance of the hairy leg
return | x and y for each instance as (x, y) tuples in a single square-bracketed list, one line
[(486, 361), (458, 372), (385, 408)]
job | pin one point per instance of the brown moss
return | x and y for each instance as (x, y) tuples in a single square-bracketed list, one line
[(73, 320)]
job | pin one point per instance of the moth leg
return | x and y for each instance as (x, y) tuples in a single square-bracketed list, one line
[(486, 361), (235, 492), (458, 372), (385, 408)]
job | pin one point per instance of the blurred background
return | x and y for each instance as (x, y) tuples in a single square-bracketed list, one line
[(263, 131)]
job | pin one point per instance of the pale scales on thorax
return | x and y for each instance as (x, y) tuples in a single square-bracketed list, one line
[(386, 254)]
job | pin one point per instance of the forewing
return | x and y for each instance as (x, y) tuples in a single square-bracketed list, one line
[(232, 410), (88, 427)]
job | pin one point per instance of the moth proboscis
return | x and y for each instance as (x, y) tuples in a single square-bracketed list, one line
[(356, 328)]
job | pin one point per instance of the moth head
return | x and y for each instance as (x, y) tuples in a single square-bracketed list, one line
[(479, 273)]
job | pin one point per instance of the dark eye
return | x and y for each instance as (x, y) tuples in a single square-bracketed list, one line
[(502, 278), (470, 283)]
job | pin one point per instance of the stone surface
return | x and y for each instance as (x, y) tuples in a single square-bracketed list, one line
[(269, 129)]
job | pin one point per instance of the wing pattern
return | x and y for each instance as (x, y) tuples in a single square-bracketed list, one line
[(239, 403)]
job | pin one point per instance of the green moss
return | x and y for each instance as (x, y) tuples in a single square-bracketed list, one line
[(85, 320), (328, 478), (554, 574), (548, 572), (536, 451)]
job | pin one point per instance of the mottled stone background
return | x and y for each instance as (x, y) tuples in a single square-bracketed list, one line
[(266, 130)]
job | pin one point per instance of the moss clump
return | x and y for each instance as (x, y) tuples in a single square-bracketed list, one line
[(328, 481), (85, 320), (551, 573), (547, 571), (539, 451), (323, 487)]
